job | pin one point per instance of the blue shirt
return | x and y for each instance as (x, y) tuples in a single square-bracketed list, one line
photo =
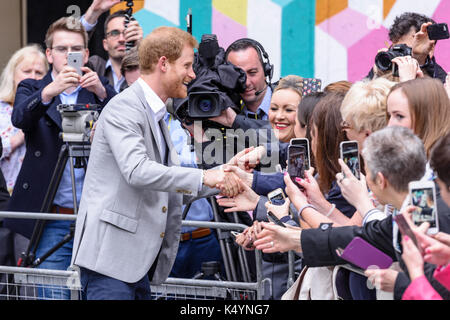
[(64, 197), (262, 113), (200, 209), (117, 82)]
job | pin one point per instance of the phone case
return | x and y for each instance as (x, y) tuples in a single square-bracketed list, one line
[(362, 254)]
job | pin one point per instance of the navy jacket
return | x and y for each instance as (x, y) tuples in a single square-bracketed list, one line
[(42, 126)]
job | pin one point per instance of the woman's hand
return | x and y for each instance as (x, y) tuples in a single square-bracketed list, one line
[(274, 238), (279, 211), (354, 191), (412, 258), (295, 195), (244, 201)]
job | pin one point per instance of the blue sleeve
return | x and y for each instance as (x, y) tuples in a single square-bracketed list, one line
[(263, 183)]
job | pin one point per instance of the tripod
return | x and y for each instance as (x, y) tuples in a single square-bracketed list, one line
[(70, 151)]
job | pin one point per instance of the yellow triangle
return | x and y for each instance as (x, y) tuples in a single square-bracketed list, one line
[(234, 9)]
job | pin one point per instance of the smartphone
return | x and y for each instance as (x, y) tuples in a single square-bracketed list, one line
[(297, 163), (277, 197), (273, 218), (350, 155), (75, 60), (423, 197), (404, 228), (305, 143), (438, 31)]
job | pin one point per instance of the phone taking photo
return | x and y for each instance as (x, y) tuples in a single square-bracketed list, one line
[(350, 156), (75, 60), (273, 218), (305, 143), (277, 197), (423, 197), (297, 163), (405, 229), (438, 31)]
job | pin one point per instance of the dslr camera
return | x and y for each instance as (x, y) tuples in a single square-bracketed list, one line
[(383, 60)]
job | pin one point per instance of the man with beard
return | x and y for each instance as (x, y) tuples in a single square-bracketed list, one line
[(129, 221), (116, 36)]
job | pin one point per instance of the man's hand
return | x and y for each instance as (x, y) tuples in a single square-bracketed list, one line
[(383, 279), (408, 68), (245, 177), (133, 32), (67, 78), (91, 82), (97, 8), (422, 45), (227, 182), (226, 118)]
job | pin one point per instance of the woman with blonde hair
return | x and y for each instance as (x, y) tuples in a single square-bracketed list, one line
[(283, 107), (28, 62)]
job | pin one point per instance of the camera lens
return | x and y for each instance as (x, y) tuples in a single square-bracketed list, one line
[(205, 104), (383, 61)]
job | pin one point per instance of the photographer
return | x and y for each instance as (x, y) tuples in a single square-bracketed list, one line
[(35, 113), (114, 43), (410, 29), (247, 54)]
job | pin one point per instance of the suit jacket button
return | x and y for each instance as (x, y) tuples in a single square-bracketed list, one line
[(164, 209), (324, 226), (37, 154), (162, 234), (25, 186)]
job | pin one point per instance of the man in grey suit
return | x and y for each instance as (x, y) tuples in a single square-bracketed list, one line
[(129, 219)]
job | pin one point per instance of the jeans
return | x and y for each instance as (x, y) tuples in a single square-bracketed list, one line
[(97, 286), (54, 232)]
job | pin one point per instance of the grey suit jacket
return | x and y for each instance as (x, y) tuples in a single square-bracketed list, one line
[(130, 209)]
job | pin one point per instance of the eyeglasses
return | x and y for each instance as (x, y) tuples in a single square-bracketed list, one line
[(114, 34), (64, 49), (345, 125)]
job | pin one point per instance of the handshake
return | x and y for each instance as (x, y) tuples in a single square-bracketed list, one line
[(236, 176)]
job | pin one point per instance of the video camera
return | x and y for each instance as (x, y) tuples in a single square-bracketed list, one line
[(383, 59), (77, 121), (217, 85)]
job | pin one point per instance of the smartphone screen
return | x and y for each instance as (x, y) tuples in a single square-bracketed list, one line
[(350, 155), (423, 199), (305, 144), (296, 162), (277, 199)]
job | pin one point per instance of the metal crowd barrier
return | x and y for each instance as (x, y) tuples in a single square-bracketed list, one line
[(19, 283)]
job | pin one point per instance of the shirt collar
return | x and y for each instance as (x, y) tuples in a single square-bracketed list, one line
[(157, 106), (263, 109)]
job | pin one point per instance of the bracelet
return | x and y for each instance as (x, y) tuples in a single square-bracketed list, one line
[(331, 210), (303, 208)]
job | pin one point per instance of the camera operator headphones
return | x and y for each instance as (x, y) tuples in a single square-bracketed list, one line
[(267, 67)]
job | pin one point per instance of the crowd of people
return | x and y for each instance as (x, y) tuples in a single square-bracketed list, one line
[(131, 196)]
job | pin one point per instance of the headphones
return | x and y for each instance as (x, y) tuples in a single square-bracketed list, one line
[(267, 66)]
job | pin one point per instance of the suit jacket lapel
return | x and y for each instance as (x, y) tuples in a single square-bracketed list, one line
[(136, 87)]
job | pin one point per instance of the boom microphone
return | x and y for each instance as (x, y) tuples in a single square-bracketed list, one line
[(257, 93)]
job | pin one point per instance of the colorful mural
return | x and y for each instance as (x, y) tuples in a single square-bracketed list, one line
[(329, 39)]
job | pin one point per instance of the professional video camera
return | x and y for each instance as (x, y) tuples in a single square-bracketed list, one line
[(77, 121), (217, 85), (383, 59)]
